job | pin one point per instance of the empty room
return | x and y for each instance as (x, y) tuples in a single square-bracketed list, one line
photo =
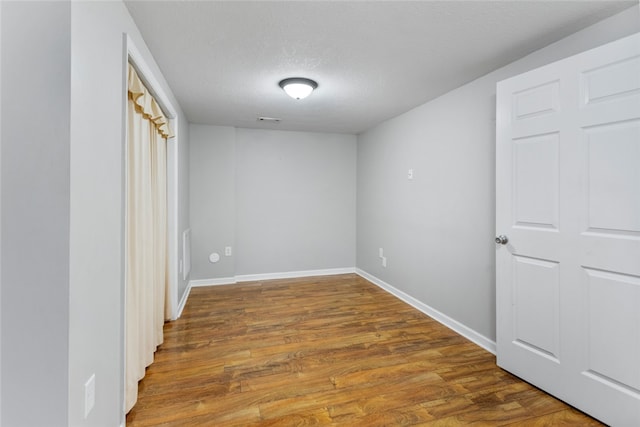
[(349, 213)]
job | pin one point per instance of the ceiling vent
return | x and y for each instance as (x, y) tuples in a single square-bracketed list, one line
[(269, 119)]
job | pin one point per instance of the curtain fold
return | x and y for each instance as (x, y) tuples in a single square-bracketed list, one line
[(146, 104), (146, 264)]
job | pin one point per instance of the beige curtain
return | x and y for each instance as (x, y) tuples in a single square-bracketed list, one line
[(146, 278)]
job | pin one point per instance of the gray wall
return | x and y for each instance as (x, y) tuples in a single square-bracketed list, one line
[(63, 81), (0, 214), (437, 230), (213, 174), (35, 213), (97, 188), (295, 201), (285, 201), (183, 197)]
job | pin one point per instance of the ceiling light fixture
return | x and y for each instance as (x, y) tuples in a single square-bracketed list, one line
[(298, 87)]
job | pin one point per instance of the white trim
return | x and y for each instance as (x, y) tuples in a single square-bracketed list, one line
[(447, 321), (294, 274), (269, 276), (173, 248), (212, 282), (133, 55), (186, 253), (138, 61), (183, 301), (124, 229), (173, 217), (149, 79)]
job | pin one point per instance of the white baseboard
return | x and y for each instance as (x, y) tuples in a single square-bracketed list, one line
[(183, 300), (294, 274), (213, 282), (269, 276), (447, 321)]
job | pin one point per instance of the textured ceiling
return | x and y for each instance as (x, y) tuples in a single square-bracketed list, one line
[(372, 60)]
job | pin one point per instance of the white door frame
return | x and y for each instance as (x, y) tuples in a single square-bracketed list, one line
[(146, 75), (133, 55)]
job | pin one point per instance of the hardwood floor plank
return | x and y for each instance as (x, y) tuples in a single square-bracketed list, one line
[(332, 350)]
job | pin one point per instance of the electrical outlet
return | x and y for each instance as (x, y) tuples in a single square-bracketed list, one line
[(410, 174), (227, 251), (380, 253), (384, 261), (89, 395)]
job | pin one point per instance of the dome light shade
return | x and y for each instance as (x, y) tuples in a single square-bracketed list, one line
[(298, 87)]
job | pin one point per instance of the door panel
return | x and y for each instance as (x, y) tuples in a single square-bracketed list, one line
[(613, 171), (614, 300), (536, 306), (535, 194), (537, 101), (608, 248), (617, 79), (568, 198)]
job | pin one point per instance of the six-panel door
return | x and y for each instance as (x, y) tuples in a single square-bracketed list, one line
[(568, 198)]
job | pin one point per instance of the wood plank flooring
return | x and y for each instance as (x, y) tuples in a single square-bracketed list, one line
[(333, 350)]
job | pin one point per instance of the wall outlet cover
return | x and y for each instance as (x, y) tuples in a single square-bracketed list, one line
[(89, 395)]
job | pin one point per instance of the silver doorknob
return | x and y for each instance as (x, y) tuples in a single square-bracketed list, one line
[(502, 239)]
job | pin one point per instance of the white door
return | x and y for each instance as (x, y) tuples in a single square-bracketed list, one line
[(568, 202)]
